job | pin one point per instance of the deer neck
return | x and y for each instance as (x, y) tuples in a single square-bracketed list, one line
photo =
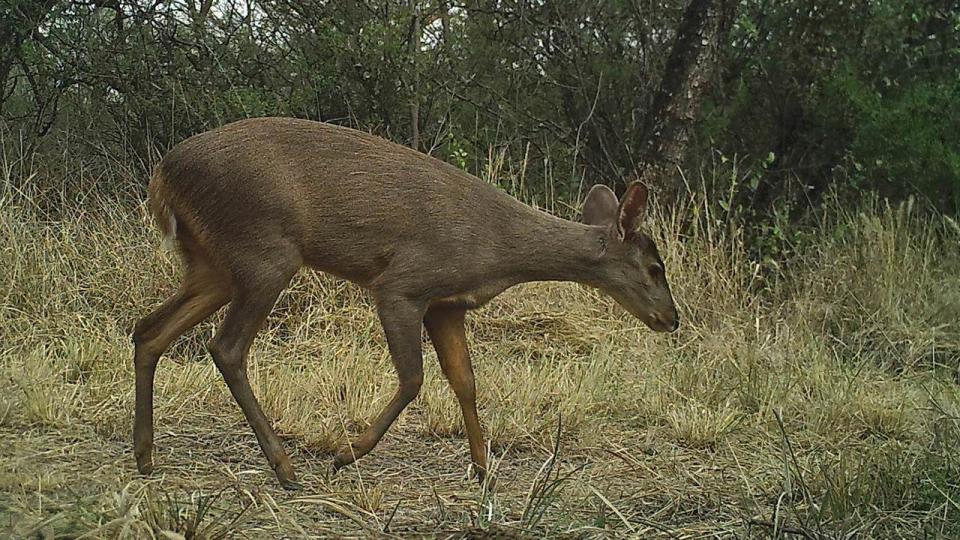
[(548, 248)]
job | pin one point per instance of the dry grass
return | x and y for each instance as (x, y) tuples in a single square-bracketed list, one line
[(821, 403)]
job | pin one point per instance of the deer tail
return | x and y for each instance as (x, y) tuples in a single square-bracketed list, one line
[(161, 210)]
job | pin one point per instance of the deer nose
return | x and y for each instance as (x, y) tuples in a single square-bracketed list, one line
[(676, 323)]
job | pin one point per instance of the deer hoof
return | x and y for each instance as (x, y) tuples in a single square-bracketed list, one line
[(342, 459), (487, 480), (286, 476), (145, 466), (288, 481), (290, 485)]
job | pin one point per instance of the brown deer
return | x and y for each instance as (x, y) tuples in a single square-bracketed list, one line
[(250, 203)]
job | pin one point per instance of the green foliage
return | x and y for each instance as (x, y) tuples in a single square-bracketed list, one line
[(815, 97), (909, 142), (850, 97)]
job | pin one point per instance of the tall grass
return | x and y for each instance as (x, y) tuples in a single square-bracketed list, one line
[(821, 400)]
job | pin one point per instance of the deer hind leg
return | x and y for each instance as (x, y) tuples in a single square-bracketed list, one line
[(446, 329), (250, 307), (201, 294), (401, 321)]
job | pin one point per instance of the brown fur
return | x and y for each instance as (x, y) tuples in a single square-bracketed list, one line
[(253, 201)]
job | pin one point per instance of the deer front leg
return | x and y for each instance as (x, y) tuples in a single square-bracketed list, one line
[(446, 330), (401, 321)]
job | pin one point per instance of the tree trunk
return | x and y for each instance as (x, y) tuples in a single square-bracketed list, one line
[(689, 69), (414, 77)]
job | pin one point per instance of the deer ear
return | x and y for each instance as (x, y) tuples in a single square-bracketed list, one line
[(600, 206), (632, 209)]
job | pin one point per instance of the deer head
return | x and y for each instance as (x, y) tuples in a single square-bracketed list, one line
[(631, 269)]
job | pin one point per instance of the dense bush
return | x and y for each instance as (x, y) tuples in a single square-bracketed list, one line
[(813, 97), (850, 96)]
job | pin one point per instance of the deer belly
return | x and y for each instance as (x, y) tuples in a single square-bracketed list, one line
[(465, 301), (470, 299)]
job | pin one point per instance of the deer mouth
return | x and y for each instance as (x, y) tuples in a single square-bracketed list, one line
[(658, 323), (655, 321)]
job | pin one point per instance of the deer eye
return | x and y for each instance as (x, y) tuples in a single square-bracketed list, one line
[(655, 270)]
